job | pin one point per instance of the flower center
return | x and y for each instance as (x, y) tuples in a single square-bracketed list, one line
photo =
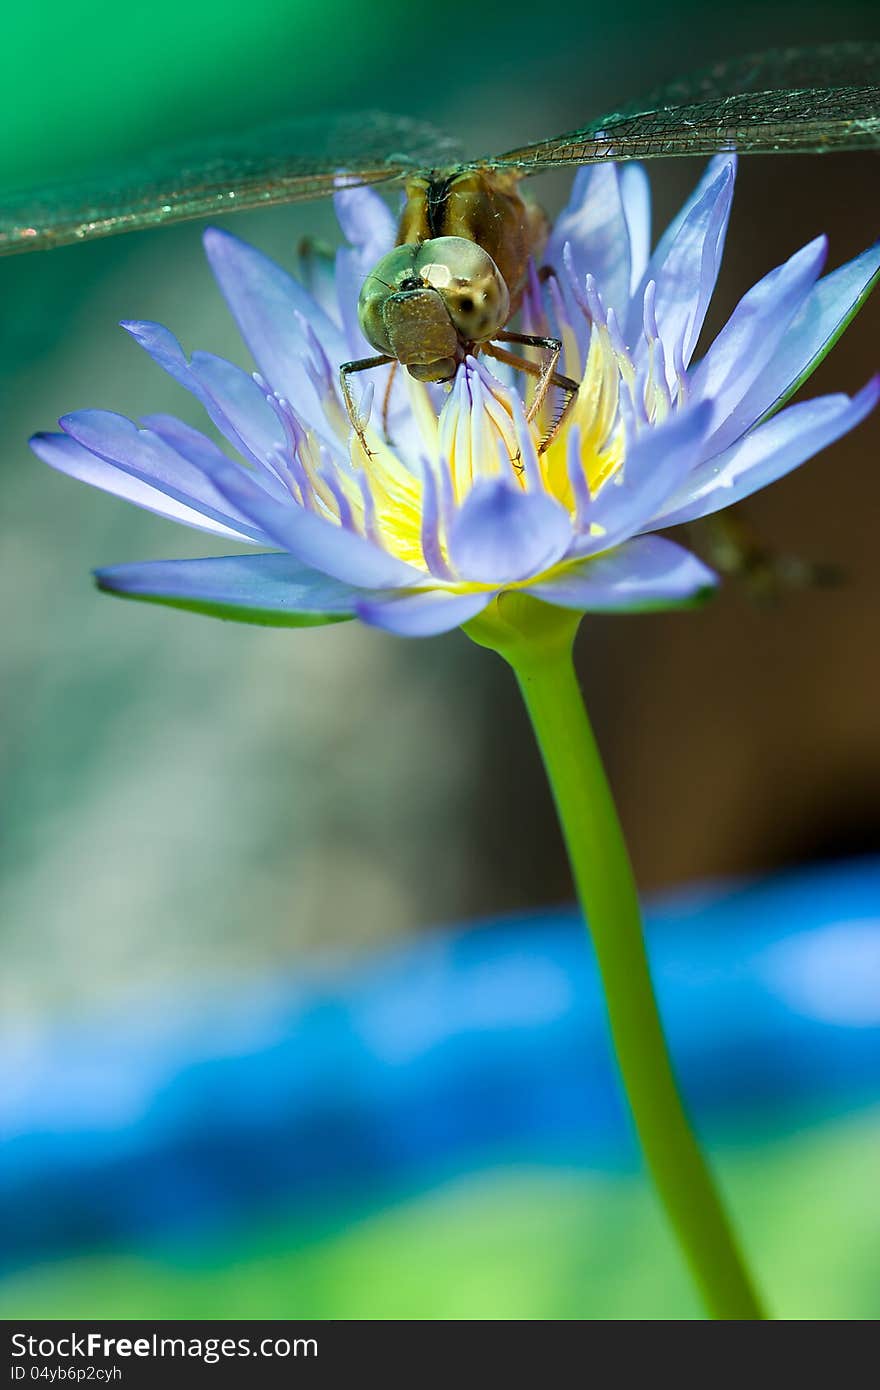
[(407, 504), (483, 432)]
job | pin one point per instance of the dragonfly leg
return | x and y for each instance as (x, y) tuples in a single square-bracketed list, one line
[(546, 375), (347, 370), (386, 399)]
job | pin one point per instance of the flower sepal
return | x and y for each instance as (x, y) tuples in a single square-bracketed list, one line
[(524, 630), (263, 590)]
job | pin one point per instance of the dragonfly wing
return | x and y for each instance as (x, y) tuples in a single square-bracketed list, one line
[(282, 163), (791, 100)]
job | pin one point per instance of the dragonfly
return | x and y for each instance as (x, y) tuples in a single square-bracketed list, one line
[(467, 232)]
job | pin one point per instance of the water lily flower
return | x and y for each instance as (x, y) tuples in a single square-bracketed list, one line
[(421, 531)]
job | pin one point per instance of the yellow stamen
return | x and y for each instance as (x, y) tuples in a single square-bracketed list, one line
[(478, 443)]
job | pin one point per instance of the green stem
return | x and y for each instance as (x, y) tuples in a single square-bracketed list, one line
[(607, 892)]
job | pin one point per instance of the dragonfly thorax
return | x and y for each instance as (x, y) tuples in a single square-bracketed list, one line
[(429, 303)]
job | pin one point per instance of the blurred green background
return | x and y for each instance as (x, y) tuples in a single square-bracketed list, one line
[(182, 799), (521, 1243)]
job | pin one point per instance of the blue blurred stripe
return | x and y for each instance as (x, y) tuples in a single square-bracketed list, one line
[(459, 1046)]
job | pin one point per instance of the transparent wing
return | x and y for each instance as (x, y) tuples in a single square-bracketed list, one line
[(791, 100), (281, 163)]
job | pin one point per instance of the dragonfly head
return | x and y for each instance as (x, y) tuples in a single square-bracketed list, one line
[(426, 303)]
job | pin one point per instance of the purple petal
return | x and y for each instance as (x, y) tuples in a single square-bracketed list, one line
[(595, 227), (317, 542), (365, 219), (686, 278), (422, 614), (434, 514), (272, 311), (167, 353), (231, 398), (713, 171), (822, 317), (635, 193), (502, 533), (653, 468), (242, 401), (748, 341), (64, 454), (147, 456), (371, 230), (317, 274), (190, 442), (645, 573), (768, 453), (273, 590)]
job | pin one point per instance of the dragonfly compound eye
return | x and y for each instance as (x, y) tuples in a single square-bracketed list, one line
[(391, 276), (469, 283)]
